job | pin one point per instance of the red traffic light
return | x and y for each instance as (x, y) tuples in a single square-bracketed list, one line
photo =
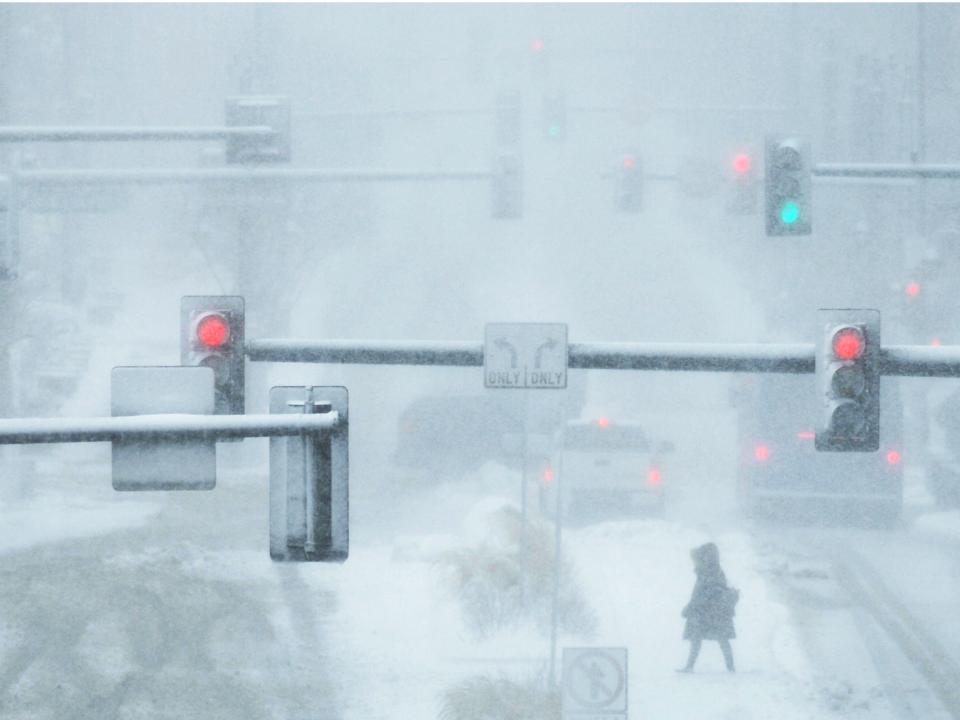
[(761, 453), (913, 289), (848, 343), (213, 331), (742, 164)]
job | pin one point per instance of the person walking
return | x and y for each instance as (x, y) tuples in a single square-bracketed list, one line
[(709, 613)]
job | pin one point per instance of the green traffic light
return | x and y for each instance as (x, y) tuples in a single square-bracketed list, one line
[(789, 213), (553, 131)]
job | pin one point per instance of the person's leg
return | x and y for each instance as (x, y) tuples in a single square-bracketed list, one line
[(727, 654), (694, 652)]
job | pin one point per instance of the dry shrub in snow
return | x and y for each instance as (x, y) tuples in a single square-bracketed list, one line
[(508, 580), (500, 698)]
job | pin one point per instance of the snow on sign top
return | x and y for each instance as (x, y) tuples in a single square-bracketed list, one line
[(594, 683), (525, 355)]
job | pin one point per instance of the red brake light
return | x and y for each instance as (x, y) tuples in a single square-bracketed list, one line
[(654, 478), (629, 163), (603, 422), (548, 475), (761, 453), (913, 289), (893, 458), (807, 435), (935, 342), (848, 343), (213, 331)]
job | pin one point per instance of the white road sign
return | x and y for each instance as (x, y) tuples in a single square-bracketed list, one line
[(525, 355), (594, 684)]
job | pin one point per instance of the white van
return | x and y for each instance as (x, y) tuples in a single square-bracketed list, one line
[(607, 469)]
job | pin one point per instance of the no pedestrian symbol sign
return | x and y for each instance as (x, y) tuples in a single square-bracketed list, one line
[(594, 684)]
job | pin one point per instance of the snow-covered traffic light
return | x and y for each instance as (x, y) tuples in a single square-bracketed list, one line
[(744, 186), (788, 186), (629, 183), (507, 185), (554, 116), (509, 120), (848, 380), (259, 111), (9, 229), (211, 335), (309, 480)]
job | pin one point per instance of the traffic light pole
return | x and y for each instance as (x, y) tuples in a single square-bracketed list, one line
[(895, 360), (18, 134), (34, 178), (18, 431), (887, 171)]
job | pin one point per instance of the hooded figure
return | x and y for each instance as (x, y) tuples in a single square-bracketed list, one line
[(710, 611)]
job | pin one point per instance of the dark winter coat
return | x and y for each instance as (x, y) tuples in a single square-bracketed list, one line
[(710, 611)]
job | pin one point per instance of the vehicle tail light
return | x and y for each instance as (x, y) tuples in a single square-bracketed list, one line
[(761, 453), (654, 479), (893, 457)]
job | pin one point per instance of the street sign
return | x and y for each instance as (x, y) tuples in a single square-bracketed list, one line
[(525, 355), (594, 684), (309, 480), (156, 464)]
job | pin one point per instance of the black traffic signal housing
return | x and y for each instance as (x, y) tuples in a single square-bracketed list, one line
[(787, 186), (848, 380), (629, 183), (554, 116), (212, 335)]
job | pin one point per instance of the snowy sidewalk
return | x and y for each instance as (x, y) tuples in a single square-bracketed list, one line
[(402, 640)]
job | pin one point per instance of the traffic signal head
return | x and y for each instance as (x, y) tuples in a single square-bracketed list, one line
[(507, 185), (211, 335), (743, 198), (848, 380), (310, 480), (9, 229), (629, 183), (509, 119), (554, 118), (787, 185), (253, 111)]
